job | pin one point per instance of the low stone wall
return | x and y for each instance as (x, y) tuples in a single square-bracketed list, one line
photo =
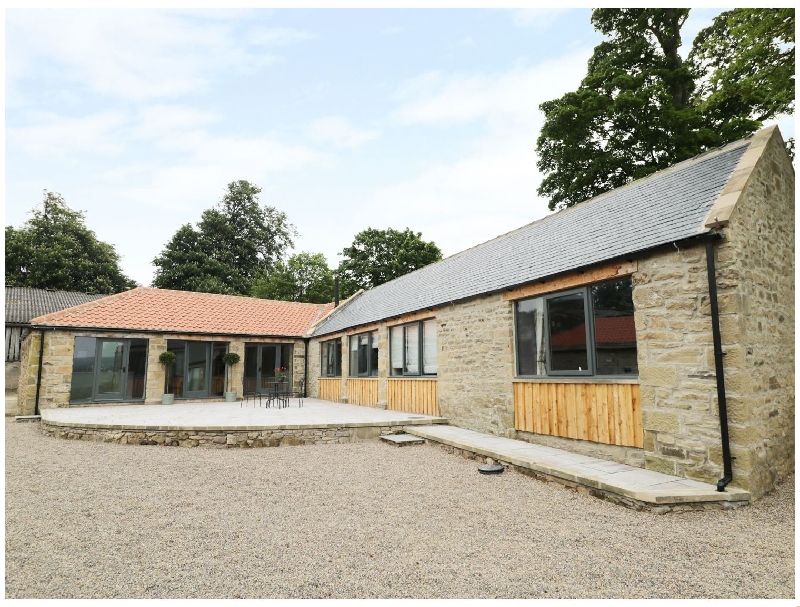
[(222, 439)]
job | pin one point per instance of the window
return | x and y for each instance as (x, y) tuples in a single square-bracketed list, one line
[(364, 355), (585, 331), (413, 349), (331, 358)]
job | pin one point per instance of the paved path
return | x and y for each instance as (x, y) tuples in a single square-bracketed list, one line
[(619, 479), (228, 416)]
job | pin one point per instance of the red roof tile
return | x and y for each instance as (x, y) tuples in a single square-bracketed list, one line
[(147, 309)]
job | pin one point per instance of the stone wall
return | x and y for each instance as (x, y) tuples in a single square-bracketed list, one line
[(224, 439), (676, 364), (755, 281), (58, 353), (476, 365), (12, 376), (759, 275)]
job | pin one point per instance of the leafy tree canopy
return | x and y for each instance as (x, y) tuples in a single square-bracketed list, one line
[(641, 108), (305, 277), (235, 241), (378, 256), (55, 250)]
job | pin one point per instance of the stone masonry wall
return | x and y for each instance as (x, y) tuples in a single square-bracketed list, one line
[(755, 283), (676, 364), (476, 365), (759, 372), (58, 354)]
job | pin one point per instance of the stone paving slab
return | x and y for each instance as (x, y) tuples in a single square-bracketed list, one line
[(222, 416), (636, 483)]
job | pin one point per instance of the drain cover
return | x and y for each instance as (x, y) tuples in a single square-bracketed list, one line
[(491, 469)]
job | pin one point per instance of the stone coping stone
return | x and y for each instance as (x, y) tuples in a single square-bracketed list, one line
[(637, 488), (242, 428)]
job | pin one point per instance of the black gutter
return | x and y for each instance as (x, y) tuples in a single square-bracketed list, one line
[(305, 368), (719, 370), (39, 374)]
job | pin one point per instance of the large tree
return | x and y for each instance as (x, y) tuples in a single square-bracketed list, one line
[(55, 250), (235, 241), (305, 277), (641, 108), (378, 256)]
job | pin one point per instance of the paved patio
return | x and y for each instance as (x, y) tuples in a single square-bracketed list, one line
[(232, 416)]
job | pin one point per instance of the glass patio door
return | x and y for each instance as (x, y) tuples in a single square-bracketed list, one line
[(120, 369), (260, 362)]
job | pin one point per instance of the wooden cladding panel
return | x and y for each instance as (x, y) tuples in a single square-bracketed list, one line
[(362, 392), (412, 396), (602, 413), (330, 388)]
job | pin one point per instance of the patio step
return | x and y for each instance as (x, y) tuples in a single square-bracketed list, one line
[(401, 440)]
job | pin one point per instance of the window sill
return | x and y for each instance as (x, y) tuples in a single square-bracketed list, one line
[(412, 377), (576, 380)]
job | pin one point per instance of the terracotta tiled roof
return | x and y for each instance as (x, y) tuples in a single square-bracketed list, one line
[(607, 330), (147, 309)]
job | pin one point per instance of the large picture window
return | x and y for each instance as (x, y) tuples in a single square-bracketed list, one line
[(413, 349), (585, 331), (364, 355), (331, 358)]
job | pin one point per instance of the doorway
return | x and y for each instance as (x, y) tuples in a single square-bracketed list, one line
[(260, 364), (105, 369)]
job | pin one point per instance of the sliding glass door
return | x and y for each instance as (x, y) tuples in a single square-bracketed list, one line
[(261, 362), (198, 371), (108, 369)]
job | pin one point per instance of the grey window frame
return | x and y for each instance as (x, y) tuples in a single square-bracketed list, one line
[(591, 344), (420, 346), (370, 349), (323, 357)]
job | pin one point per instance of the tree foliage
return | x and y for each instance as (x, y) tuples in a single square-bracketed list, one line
[(305, 277), (641, 108), (378, 256), (235, 242), (55, 250)]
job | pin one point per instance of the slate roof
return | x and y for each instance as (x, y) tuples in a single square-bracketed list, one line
[(24, 303), (162, 310), (664, 207)]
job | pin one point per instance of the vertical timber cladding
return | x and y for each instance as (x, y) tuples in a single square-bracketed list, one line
[(601, 413), (362, 392), (330, 388), (413, 396)]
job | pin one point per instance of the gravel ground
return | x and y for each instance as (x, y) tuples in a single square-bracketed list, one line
[(365, 520)]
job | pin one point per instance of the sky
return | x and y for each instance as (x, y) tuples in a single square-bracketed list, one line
[(347, 119)]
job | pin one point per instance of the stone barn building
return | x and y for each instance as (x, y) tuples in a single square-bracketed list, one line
[(651, 325)]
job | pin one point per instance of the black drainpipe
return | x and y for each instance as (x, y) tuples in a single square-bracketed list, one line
[(39, 373), (720, 372), (305, 369)]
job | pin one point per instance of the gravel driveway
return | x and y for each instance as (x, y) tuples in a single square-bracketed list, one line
[(366, 520)]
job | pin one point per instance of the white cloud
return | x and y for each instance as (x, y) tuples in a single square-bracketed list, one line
[(338, 131), (50, 134), (467, 41), (277, 36), (537, 18), (463, 98), (135, 55), (491, 188)]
